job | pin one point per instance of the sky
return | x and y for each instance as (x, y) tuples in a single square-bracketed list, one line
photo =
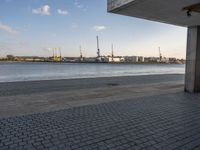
[(34, 27)]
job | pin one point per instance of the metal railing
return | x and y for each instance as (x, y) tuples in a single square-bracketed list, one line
[(113, 4)]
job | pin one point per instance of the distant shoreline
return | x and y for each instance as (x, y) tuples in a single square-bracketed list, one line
[(134, 63)]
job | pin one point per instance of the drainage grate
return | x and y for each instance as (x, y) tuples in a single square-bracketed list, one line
[(112, 84)]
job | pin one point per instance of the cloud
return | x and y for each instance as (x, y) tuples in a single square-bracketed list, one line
[(7, 28), (77, 4), (44, 10), (99, 28), (80, 6), (62, 12)]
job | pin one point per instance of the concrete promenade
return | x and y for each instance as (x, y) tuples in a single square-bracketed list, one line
[(158, 115), (20, 98)]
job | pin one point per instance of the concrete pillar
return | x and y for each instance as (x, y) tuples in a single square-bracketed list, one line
[(192, 75)]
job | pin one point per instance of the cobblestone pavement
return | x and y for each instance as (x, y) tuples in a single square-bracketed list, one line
[(170, 121)]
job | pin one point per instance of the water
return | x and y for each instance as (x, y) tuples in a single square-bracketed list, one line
[(22, 71)]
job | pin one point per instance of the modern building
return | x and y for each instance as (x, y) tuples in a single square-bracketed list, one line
[(177, 12)]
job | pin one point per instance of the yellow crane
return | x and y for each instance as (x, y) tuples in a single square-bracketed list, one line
[(57, 57)]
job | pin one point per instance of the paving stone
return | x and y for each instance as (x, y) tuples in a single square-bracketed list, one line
[(163, 122)]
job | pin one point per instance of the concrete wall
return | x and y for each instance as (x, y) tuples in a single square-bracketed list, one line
[(192, 76), (113, 4)]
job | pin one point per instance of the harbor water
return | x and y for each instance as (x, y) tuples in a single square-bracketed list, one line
[(23, 71)]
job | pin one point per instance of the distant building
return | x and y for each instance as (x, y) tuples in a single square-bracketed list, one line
[(90, 59), (131, 59), (116, 59), (10, 57), (172, 60), (164, 60), (140, 59), (151, 59)]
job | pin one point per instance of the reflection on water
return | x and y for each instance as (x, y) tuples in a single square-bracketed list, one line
[(15, 71)]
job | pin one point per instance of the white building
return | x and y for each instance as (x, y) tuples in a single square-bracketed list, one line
[(115, 59)]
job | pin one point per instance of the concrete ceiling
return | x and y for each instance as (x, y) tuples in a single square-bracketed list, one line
[(166, 11)]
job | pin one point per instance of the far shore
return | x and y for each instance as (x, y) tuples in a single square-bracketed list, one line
[(135, 63)]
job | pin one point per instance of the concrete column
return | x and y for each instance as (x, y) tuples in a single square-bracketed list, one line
[(192, 75)]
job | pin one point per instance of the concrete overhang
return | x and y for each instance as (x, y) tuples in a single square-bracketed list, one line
[(177, 12)]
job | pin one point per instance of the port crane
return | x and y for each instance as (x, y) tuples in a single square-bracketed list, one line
[(112, 55), (81, 54), (57, 56), (98, 59), (98, 50), (160, 55)]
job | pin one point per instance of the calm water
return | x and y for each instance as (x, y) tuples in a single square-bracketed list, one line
[(10, 71)]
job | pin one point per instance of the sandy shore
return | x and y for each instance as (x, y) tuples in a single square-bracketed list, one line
[(21, 98)]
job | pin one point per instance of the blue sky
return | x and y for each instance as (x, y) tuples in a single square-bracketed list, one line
[(30, 27)]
